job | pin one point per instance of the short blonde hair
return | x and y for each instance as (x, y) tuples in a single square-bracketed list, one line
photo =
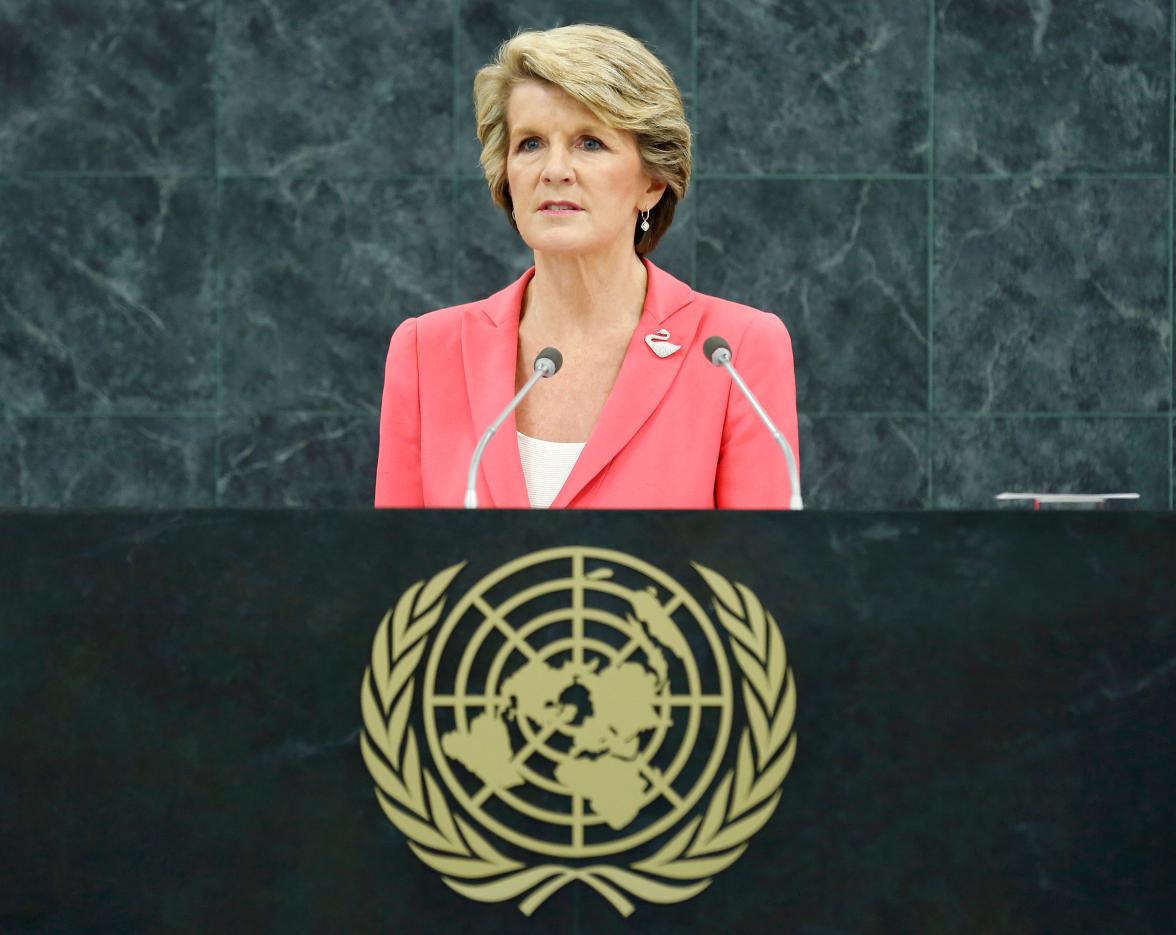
[(617, 78)]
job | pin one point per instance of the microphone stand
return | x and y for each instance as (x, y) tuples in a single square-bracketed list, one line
[(718, 352), (547, 363)]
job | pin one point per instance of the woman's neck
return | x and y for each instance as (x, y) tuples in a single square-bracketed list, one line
[(576, 295)]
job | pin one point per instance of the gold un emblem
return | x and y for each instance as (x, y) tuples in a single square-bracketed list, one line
[(578, 712)]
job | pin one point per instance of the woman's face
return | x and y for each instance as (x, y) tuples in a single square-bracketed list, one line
[(559, 152)]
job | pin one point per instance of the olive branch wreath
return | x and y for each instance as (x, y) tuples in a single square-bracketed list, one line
[(415, 804)]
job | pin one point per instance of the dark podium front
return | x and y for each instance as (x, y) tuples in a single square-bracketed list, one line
[(966, 726)]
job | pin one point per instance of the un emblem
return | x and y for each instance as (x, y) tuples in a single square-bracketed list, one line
[(578, 710)]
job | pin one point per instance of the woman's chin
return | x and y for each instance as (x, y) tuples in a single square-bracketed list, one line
[(567, 243)]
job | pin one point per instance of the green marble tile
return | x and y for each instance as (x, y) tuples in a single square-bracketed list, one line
[(353, 88), (1052, 296), (863, 462), (116, 86), (299, 460), (97, 461), (812, 87), (975, 459), (1052, 87), (844, 264), (317, 275), (107, 296), (488, 252)]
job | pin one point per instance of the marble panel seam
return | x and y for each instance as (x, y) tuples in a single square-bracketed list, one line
[(331, 178), (719, 176), (864, 413), (1171, 247), (694, 156), (128, 415), (465, 176), (931, 166), (174, 176), (1099, 415), (219, 282), (455, 148)]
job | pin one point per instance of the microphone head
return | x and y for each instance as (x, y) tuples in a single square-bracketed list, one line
[(713, 344), (553, 358)]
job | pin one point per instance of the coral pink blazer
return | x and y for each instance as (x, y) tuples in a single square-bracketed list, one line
[(674, 433)]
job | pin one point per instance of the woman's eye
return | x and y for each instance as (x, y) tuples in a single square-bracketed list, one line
[(531, 144)]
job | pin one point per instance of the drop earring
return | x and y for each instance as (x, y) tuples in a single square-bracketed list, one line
[(645, 220)]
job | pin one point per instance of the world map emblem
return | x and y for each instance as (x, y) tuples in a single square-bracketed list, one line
[(577, 715)]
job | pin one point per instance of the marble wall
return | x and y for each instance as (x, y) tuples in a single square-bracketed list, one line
[(213, 213)]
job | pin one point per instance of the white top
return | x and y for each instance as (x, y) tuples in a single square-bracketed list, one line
[(546, 465)]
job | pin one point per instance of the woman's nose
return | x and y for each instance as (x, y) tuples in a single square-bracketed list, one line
[(558, 166)]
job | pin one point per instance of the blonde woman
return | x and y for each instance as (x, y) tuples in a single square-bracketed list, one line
[(586, 148)]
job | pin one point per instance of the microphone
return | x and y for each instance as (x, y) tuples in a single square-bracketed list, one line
[(718, 352), (547, 364)]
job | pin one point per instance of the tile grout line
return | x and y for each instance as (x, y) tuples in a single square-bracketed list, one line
[(931, 254), (455, 137), (926, 176), (1171, 310), (213, 417), (218, 296), (358, 410), (694, 155), (707, 176), (1092, 415)]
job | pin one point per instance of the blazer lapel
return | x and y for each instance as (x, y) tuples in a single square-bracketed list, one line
[(643, 381), (489, 351)]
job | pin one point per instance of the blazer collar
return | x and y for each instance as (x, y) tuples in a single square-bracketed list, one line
[(643, 381), (490, 337)]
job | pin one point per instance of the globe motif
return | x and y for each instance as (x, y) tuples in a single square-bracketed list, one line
[(577, 702)]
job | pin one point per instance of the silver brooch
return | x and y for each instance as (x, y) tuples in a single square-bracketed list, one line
[(659, 343)]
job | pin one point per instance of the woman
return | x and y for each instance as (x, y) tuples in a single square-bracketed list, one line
[(587, 149)]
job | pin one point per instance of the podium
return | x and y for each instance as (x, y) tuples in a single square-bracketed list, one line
[(204, 724)]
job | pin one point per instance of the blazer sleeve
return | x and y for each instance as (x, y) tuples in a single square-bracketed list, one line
[(752, 472), (398, 466)]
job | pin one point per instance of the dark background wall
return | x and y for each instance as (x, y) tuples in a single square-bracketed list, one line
[(213, 215)]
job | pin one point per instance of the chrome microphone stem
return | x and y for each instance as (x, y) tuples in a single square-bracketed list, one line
[(543, 368), (723, 358)]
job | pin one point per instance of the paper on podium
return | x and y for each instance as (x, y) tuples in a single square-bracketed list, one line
[(1096, 500)]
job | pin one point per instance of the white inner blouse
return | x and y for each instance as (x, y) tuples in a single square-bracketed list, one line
[(546, 466)]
